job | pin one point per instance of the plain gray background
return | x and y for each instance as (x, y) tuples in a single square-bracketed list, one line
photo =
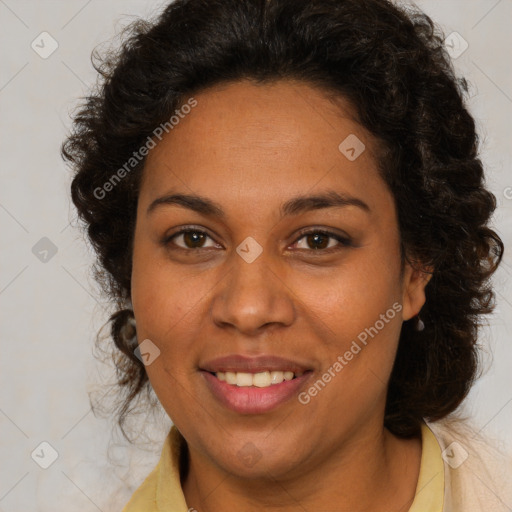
[(50, 307)]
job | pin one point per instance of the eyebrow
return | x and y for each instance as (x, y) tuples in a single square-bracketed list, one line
[(294, 206)]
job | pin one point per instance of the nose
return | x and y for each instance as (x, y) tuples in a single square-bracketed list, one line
[(252, 297)]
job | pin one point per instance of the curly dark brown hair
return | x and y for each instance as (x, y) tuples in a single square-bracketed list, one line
[(390, 62)]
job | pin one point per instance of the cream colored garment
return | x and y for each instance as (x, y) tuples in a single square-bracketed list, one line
[(459, 472), (478, 475)]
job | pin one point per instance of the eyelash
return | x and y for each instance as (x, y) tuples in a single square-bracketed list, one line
[(343, 241)]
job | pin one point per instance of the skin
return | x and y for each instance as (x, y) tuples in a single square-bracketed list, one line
[(250, 147)]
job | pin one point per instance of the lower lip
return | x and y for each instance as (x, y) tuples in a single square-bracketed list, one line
[(251, 399)]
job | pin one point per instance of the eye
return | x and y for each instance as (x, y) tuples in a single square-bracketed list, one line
[(190, 239), (324, 241)]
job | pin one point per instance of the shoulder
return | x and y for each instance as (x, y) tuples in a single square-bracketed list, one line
[(478, 471)]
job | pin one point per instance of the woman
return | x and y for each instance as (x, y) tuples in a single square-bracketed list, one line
[(289, 212)]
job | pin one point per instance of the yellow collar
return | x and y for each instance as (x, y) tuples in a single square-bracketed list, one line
[(430, 488)]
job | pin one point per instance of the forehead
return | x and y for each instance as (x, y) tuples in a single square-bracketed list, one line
[(247, 142)]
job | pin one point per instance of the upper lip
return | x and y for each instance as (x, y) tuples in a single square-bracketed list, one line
[(254, 364)]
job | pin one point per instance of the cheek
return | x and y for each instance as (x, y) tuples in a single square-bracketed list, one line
[(359, 317), (165, 304), (357, 364), (352, 297), (162, 293)]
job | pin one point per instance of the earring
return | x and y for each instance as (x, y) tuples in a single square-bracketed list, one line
[(420, 326), (128, 329), (132, 322)]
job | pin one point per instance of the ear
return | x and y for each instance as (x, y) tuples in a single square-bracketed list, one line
[(413, 290)]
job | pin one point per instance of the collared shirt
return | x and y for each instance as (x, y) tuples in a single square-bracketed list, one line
[(454, 476)]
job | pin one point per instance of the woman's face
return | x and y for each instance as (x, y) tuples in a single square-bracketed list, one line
[(257, 285)]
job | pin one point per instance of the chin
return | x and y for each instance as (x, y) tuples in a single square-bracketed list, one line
[(256, 460)]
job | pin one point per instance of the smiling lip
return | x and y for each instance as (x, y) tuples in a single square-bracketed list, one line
[(251, 399), (238, 363)]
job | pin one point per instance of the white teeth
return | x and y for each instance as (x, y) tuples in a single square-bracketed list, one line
[(230, 377), (243, 379), (259, 380), (276, 377)]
